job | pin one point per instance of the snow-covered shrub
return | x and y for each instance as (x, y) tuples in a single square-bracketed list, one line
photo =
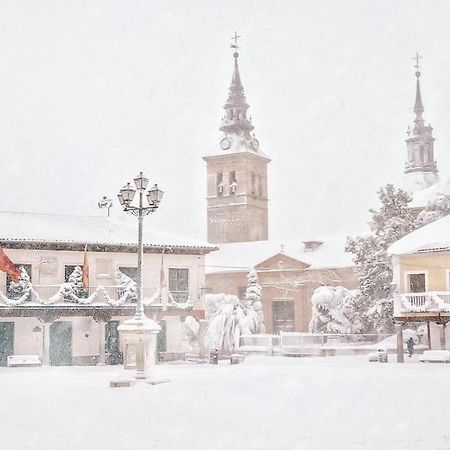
[(127, 288), (228, 322), (21, 291), (76, 282), (336, 310), (253, 299)]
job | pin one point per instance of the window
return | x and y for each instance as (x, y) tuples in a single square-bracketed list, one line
[(130, 272), (233, 184), (253, 183), (416, 282), (219, 182), (179, 284), (68, 271)]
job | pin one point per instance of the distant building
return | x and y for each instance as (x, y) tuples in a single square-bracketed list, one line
[(421, 274), (421, 177), (63, 331), (237, 200), (288, 275), (237, 211)]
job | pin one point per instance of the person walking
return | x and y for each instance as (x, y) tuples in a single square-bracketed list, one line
[(410, 346)]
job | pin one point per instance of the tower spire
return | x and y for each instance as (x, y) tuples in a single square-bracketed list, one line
[(236, 124), (420, 168), (418, 105)]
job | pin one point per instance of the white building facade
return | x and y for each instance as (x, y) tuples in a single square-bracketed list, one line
[(66, 330)]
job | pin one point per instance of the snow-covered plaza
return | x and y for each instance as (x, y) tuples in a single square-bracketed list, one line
[(264, 403)]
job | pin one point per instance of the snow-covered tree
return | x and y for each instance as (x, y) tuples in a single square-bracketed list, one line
[(21, 289), (228, 322), (76, 282), (127, 288), (373, 265), (253, 298), (436, 209)]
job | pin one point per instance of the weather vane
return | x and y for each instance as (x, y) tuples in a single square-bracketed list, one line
[(235, 39), (417, 59), (105, 203)]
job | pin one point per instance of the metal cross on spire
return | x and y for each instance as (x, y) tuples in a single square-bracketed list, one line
[(235, 39), (417, 59)]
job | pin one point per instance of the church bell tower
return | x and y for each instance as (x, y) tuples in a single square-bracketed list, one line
[(420, 168), (237, 173)]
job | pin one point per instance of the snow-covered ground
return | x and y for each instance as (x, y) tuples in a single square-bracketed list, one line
[(265, 403)]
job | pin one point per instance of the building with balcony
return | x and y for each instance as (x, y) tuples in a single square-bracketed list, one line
[(65, 330), (421, 274)]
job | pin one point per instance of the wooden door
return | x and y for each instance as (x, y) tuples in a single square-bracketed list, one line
[(283, 316), (6, 341), (60, 344)]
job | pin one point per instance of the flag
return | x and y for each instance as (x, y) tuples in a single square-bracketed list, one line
[(85, 269), (6, 265)]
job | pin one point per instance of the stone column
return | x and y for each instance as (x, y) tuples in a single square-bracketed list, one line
[(202, 347), (46, 343), (101, 343), (442, 336), (399, 331)]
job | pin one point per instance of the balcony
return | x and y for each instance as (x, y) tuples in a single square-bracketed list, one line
[(115, 296), (432, 302)]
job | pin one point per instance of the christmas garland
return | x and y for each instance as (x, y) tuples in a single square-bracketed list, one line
[(66, 292), (128, 295)]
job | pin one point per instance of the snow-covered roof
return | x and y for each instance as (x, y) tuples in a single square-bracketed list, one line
[(432, 237), (242, 256), (422, 197), (101, 230)]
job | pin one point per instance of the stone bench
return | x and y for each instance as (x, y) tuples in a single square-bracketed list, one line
[(435, 356), (24, 361)]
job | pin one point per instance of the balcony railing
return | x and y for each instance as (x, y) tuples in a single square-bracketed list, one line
[(99, 295), (421, 302)]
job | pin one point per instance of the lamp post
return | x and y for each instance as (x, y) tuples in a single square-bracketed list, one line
[(140, 330)]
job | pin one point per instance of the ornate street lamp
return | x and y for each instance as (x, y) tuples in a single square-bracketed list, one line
[(140, 330)]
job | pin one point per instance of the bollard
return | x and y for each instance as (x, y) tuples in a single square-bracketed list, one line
[(214, 356)]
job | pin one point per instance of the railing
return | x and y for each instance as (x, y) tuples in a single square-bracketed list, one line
[(417, 302), (111, 295)]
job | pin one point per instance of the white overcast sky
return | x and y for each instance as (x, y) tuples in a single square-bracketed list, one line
[(93, 91)]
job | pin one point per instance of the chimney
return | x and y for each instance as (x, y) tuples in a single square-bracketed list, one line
[(311, 246)]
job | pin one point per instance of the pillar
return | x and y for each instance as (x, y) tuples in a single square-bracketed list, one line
[(101, 343), (399, 332), (46, 343), (202, 347), (442, 336), (429, 335)]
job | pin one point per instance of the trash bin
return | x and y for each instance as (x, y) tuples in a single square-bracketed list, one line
[(382, 356), (214, 356)]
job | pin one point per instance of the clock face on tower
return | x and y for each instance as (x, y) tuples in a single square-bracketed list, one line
[(225, 143), (255, 144)]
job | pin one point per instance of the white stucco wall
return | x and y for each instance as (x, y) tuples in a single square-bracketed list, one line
[(48, 268)]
